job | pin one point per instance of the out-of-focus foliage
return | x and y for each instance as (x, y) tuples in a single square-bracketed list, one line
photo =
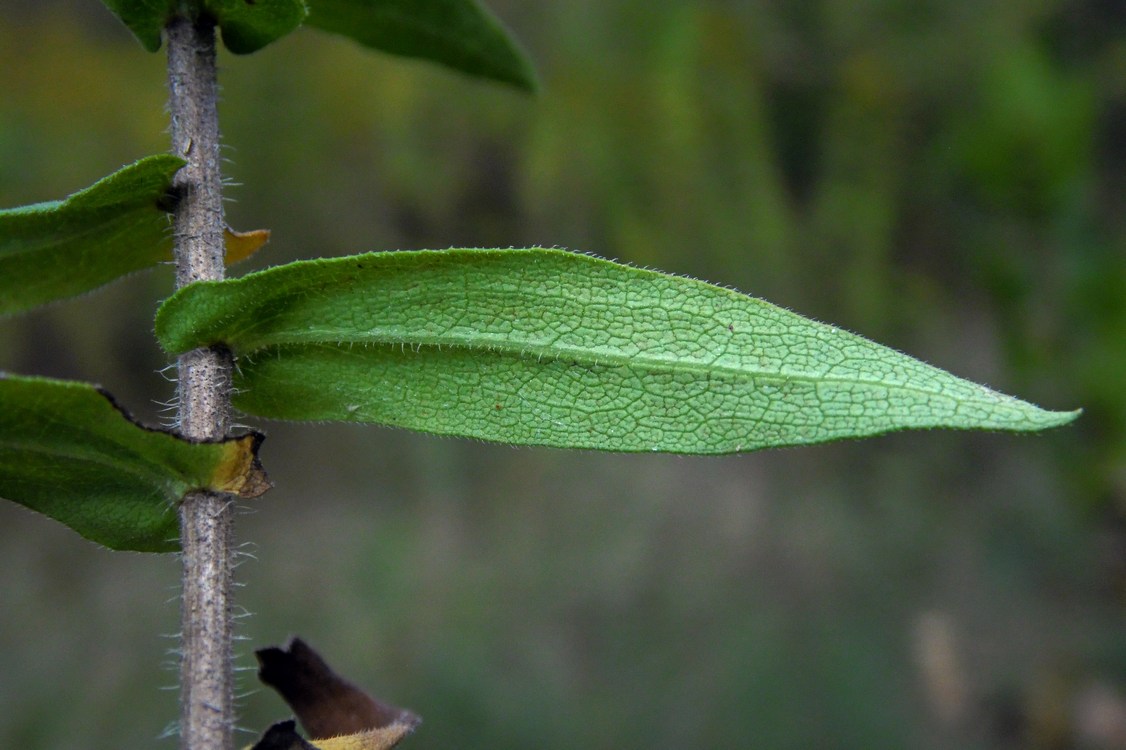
[(946, 177), (246, 26), (461, 34)]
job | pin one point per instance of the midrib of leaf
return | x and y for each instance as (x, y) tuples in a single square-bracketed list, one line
[(153, 472), (597, 355), (600, 358), (154, 478), (118, 453)]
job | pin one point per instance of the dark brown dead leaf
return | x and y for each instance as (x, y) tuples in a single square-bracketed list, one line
[(283, 736), (328, 705)]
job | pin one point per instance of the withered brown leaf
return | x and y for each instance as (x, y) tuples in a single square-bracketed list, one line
[(282, 736), (329, 706)]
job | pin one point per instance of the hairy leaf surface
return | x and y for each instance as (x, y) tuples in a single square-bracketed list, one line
[(460, 34), (67, 451), (548, 347), (118, 225)]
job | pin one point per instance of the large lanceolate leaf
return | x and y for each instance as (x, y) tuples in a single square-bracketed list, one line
[(460, 34), (247, 25), (118, 225), (58, 249), (547, 347), (67, 451)]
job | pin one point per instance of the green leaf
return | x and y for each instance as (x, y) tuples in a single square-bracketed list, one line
[(50, 251), (460, 34), (547, 347), (69, 452), (119, 225), (247, 25), (250, 25), (145, 18)]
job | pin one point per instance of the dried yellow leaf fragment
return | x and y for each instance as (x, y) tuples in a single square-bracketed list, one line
[(240, 472), (241, 245)]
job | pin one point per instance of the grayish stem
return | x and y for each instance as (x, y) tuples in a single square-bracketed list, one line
[(206, 698)]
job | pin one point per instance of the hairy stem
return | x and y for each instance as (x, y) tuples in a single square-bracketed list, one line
[(206, 702)]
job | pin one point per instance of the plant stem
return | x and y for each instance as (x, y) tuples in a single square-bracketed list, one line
[(206, 697)]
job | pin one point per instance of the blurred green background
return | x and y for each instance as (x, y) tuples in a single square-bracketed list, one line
[(947, 177)]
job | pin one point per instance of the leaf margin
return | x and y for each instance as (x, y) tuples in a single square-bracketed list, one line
[(76, 426)]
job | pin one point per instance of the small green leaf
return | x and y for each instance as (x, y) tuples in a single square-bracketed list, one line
[(118, 225), (249, 25), (145, 18), (460, 34), (67, 451), (53, 250), (547, 347)]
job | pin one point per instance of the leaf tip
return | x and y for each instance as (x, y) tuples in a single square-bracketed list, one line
[(1061, 418), (241, 245)]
